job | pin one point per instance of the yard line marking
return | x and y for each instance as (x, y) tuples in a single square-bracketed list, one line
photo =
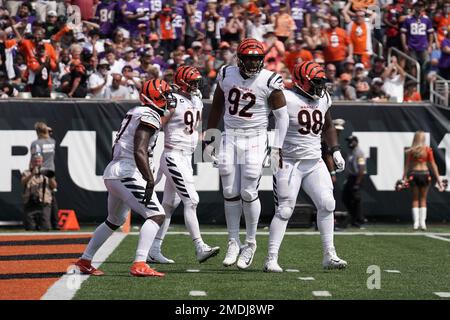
[(66, 287), (292, 270), (392, 271), (321, 294), (314, 233), (196, 293), (57, 233), (306, 278), (434, 236), (442, 294), (192, 270)]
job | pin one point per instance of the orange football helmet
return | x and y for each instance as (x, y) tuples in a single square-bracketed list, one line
[(310, 78), (157, 93), (250, 54), (188, 79)]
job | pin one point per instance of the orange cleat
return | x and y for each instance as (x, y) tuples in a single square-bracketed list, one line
[(141, 269), (86, 267)]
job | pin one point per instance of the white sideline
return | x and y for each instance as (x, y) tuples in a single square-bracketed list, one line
[(314, 233), (65, 289), (434, 236)]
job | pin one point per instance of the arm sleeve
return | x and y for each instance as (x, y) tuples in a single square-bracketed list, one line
[(281, 126)]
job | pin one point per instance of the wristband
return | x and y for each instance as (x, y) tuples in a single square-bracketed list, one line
[(333, 173), (335, 148)]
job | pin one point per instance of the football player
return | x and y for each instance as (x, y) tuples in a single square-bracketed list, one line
[(180, 140), (129, 178), (245, 95), (308, 106)]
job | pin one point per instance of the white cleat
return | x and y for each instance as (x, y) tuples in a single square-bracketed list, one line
[(246, 256), (157, 257), (332, 261), (271, 265), (232, 253), (205, 252)]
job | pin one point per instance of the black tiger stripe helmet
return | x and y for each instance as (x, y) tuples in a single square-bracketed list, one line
[(250, 54), (157, 93), (310, 78)]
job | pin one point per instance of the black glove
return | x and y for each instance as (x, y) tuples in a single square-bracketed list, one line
[(148, 193)]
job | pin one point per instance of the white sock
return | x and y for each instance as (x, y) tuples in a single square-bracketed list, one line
[(233, 211), (146, 237), (325, 223), (415, 215), (159, 238), (276, 235), (422, 217), (252, 210), (191, 222), (101, 234)]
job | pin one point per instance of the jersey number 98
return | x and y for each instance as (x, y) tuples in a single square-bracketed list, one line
[(310, 122)]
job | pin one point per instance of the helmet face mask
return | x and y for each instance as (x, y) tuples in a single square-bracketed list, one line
[(188, 80), (318, 88), (250, 65), (310, 79)]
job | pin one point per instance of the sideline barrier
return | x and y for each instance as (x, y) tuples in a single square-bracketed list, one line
[(84, 131)]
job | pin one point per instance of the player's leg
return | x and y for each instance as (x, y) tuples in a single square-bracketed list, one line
[(256, 149), (318, 185), (179, 172), (170, 202), (286, 185), (229, 175), (117, 213)]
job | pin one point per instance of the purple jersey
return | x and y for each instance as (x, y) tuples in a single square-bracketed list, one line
[(155, 6), (225, 13), (134, 7), (105, 14), (177, 22), (444, 61), (274, 5), (198, 15), (417, 30), (297, 10)]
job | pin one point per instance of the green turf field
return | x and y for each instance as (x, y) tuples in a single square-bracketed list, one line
[(423, 264)]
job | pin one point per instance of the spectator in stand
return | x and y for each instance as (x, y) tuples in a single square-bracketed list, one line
[(25, 17), (297, 54), (394, 78), (116, 91), (332, 81), (274, 50), (377, 68), (442, 21), (360, 82), (317, 11), (417, 34), (212, 24), (7, 90), (255, 28), (39, 74), (360, 32), (411, 93), (287, 78), (337, 44), (99, 80), (116, 65), (284, 24), (131, 82), (392, 18), (87, 8), (349, 66), (235, 28), (345, 91), (50, 25), (105, 16), (296, 9), (444, 61), (377, 93), (130, 58), (166, 18), (75, 82)]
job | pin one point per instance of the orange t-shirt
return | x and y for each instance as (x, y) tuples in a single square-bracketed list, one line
[(284, 25), (338, 41), (166, 27), (294, 57), (414, 97), (359, 37), (443, 25)]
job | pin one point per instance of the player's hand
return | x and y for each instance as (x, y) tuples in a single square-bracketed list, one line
[(148, 192), (338, 161), (210, 151), (276, 159)]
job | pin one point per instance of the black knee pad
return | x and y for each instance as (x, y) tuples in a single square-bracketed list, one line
[(111, 226)]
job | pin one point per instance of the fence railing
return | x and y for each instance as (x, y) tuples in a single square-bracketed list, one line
[(414, 61), (439, 91)]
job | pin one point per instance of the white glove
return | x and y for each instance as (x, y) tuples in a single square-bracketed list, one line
[(209, 150), (338, 161), (276, 159)]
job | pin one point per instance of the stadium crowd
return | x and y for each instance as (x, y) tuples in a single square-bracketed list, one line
[(108, 48)]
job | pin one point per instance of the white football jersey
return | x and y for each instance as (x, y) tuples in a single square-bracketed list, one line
[(246, 100), (181, 130), (306, 120), (123, 163)]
